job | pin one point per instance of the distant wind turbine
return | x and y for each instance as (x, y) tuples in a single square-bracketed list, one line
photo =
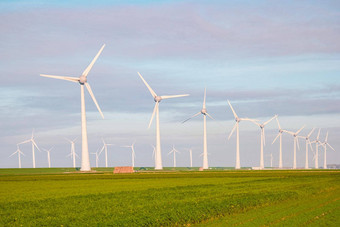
[(34, 145), (307, 143), (317, 144), (279, 135), (105, 148), (295, 135), (82, 80), (73, 151), (205, 114), (48, 156), (174, 151), (133, 155), (19, 154), (263, 138), (236, 126), (97, 157), (157, 99), (325, 144)]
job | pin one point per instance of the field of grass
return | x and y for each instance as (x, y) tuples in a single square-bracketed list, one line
[(51, 197)]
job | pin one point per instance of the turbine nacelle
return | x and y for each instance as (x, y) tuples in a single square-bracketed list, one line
[(157, 98), (82, 79), (204, 111)]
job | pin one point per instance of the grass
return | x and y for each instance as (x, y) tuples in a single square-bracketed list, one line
[(49, 197)]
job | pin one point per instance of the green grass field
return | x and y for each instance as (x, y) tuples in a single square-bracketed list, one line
[(65, 197)]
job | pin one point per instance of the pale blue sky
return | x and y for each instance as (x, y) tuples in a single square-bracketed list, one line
[(266, 57)]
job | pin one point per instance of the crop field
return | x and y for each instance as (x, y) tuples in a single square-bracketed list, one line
[(185, 197)]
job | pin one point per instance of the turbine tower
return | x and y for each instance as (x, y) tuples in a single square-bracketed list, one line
[(133, 155), (236, 126), (157, 99), (295, 135), (307, 143), (48, 156), (19, 153), (174, 151), (316, 156), (190, 152), (82, 80), (34, 145), (263, 138), (325, 144), (73, 152), (105, 148), (205, 114), (279, 135)]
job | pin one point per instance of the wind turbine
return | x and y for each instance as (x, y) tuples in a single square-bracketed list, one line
[(174, 151), (271, 159), (82, 80), (205, 114), (325, 144), (279, 135), (133, 155), (236, 126), (97, 157), (153, 152), (295, 135), (190, 152), (48, 156), (317, 143), (263, 138), (33, 146), (105, 148), (73, 152), (19, 153), (157, 99), (307, 143)]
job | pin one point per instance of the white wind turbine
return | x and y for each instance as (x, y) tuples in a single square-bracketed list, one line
[(82, 80), (279, 135), (133, 155), (307, 143), (33, 146), (174, 151), (153, 152), (190, 153), (97, 157), (205, 114), (157, 99), (73, 151), (316, 156), (236, 126), (105, 148), (263, 138), (325, 144), (295, 135), (271, 160), (48, 156), (19, 154)]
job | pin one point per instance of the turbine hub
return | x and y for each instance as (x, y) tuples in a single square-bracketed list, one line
[(82, 79), (157, 98), (204, 111)]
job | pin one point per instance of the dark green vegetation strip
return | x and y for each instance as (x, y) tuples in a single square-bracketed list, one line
[(168, 199)]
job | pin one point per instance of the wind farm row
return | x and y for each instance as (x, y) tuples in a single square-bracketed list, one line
[(85, 155)]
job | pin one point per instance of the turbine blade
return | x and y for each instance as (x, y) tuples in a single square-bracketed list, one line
[(153, 113), (292, 133), (232, 109), (210, 116), (13, 154), (330, 146), (148, 86), (297, 142), (36, 145), (276, 138), (191, 117), (310, 133), (26, 141), (278, 123), (310, 145), (232, 131), (87, 70), (101, 150), (326, 137), (173, 96), (205, 92), (72, 79), (317, 138), (93, 98), (299, 130), (252, 120), (269, 120)]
